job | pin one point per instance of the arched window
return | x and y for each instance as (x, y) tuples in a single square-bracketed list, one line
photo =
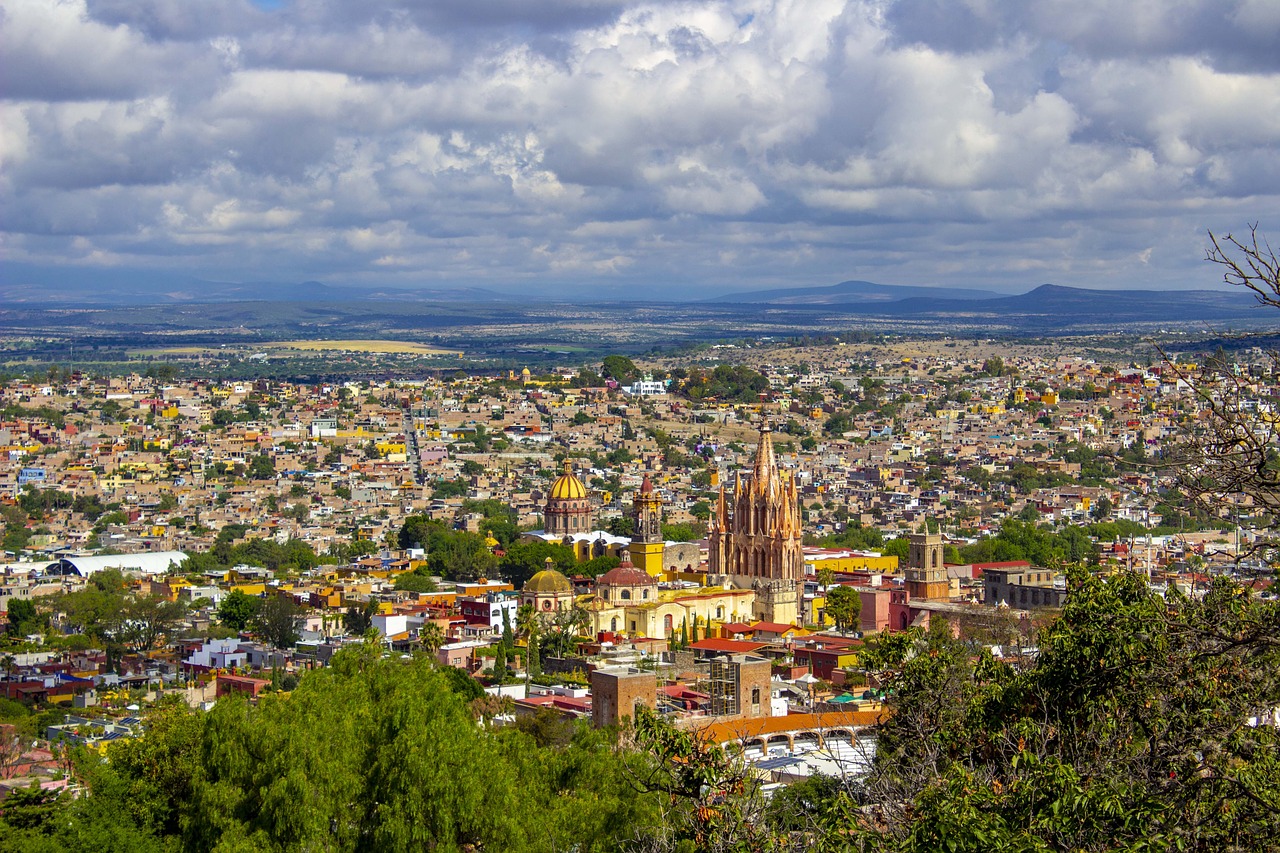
[(644, 593), (626, 595), (668, 624), (613, 624)]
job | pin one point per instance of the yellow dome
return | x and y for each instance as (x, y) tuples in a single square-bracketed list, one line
[(548, 581), (567, 486)]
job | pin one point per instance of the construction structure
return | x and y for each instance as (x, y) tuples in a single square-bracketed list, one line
[(739, 686)]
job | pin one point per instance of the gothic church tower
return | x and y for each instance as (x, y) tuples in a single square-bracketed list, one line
[(756, 541)]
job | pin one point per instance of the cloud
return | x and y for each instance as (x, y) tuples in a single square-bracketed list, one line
[(664, 144)]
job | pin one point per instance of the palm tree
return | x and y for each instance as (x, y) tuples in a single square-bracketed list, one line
[(526, 621), (431, 636)]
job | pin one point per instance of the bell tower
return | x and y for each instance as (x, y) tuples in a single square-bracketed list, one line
[(926, 574), (647, 544)]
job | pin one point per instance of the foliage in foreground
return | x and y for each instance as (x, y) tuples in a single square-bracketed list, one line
[(369, 754), (1130, 731)]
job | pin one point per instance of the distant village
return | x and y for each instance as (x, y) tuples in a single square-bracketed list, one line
[(716, 539)]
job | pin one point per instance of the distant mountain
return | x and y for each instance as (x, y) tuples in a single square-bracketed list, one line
[(1055, 305), (852, 293), (1047, 306), (122, 290)]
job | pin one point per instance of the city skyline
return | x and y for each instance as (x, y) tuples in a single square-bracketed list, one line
[(621, 149)]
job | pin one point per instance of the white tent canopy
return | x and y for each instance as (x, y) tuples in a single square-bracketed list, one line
[(150, 563)]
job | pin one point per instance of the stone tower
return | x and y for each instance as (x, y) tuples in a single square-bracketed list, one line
[(756, 541), (926, 574)]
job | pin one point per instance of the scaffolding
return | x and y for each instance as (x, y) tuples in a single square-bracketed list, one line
[(724, 687)]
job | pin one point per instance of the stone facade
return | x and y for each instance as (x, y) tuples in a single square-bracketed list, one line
[(757, 541)]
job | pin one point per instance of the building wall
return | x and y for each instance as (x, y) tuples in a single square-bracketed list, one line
[(615, 692), (875, 610)]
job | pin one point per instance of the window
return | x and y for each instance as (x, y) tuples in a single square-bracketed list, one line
[(546, 605), (755, 695), (626, 595), (644, 594)]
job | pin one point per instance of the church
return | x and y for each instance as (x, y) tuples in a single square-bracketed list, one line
[(755, 568), (755, 538)]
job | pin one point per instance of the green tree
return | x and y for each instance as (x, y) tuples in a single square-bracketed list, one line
[(844, 605), (525, 559), (237, 610), (147, 619), (416, 581), (262, 468), (620, 368), (358, 618), (23, 617), (278, 620)]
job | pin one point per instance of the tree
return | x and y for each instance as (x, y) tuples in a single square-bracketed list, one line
[(147, 618), (416, 581), (1130, 728), (262, 468), (1230, 449), (23, 618), (359, 618), (278, 621), (899, 548), (499, 670), (237, 610), (620, 369), (525, 559), (844, 605), (431, 636)]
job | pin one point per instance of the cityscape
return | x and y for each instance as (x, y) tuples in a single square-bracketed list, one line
[(639, 426), (731, 548)]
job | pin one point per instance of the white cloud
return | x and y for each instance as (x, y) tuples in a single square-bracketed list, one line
[(800, 141)]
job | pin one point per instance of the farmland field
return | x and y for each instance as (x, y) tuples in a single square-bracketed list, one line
[(362, 346)]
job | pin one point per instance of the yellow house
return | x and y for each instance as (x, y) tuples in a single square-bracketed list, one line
[(851, 561)]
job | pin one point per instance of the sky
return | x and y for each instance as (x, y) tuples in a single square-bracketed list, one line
[(606, 148)]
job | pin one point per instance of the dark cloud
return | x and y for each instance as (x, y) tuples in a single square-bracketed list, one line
[(684, 142)]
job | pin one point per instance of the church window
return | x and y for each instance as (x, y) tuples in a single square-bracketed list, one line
[(626, 595), (668, 623), (755, 695), (613, 624), (719, 612), (644, 594), (546, 605)]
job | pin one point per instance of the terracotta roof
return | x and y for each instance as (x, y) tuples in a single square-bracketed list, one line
[(626, 575), (716, 644)]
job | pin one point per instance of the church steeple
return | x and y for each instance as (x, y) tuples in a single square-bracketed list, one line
[(765, 471), (647, 545)]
